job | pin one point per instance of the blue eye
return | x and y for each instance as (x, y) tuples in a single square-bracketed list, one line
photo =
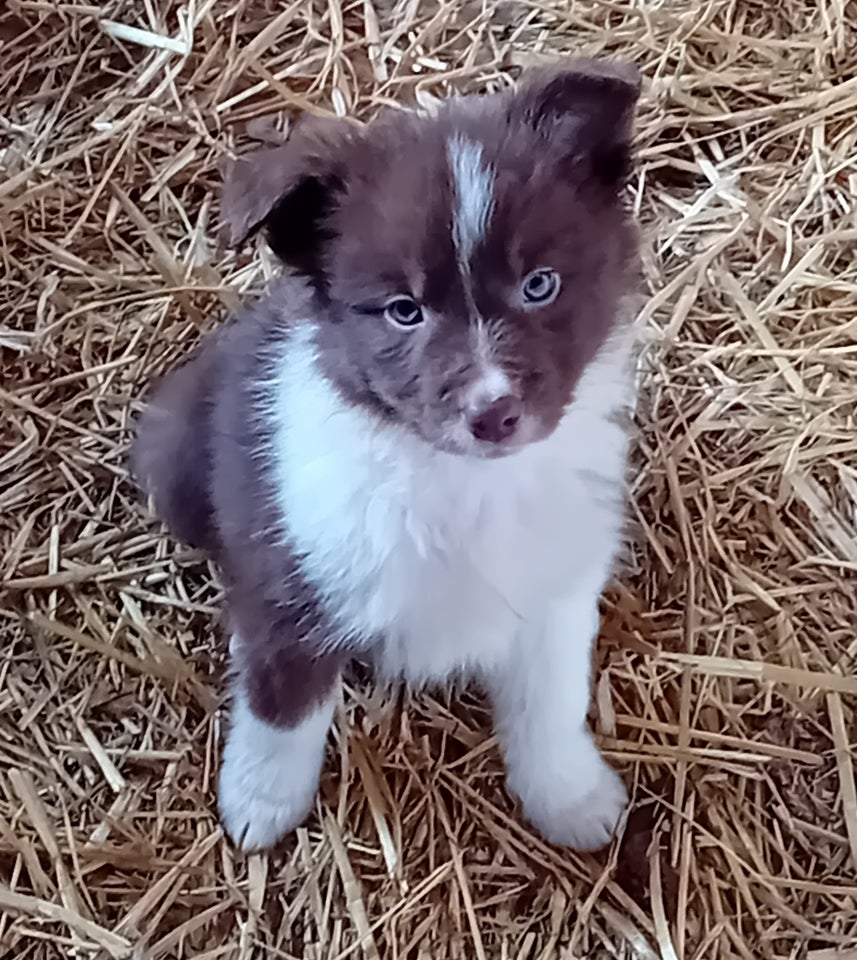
[(404, 312), (541, 287)]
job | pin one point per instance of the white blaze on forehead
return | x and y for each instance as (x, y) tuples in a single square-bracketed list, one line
[(473, 202)]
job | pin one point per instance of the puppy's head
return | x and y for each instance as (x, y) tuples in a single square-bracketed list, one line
[(470, 263)]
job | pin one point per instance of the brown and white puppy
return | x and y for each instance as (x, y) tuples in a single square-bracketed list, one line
[(410, 448)]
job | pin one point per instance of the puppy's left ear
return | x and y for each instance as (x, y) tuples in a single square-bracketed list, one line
[(585, 108), (290, 191)]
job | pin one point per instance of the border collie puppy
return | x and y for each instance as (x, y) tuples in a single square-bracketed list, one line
[(412, 448)]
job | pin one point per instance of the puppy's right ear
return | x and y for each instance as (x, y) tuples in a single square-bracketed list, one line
[(585, 109), (290, 191)]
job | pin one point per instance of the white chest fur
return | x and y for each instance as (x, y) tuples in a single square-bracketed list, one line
[(443, 559)]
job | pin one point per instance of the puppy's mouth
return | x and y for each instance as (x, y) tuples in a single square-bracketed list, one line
[(497, 451), (461, 440)]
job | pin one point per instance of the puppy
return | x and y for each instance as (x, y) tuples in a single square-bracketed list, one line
[(412, 448)]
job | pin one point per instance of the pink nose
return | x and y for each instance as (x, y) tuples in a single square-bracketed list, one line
[(497, 422)]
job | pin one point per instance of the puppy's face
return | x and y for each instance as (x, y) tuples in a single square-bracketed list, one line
[(469, 264)]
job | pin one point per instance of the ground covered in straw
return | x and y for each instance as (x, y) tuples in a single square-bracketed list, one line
[(727, 695)]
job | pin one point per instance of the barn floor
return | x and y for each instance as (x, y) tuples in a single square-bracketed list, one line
[(728, 687)]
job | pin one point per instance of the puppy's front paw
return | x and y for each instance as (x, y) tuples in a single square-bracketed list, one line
[(269, 776), (574, 800), (256, 808)]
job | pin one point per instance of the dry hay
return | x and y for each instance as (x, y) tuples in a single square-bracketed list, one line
[(728, 691)]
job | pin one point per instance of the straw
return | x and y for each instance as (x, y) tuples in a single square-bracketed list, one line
[(727, 663)]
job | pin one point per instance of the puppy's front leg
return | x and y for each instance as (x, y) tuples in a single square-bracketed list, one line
[(282, 708), (541, 697)]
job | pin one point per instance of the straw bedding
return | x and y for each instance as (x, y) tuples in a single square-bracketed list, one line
[(727, 691)]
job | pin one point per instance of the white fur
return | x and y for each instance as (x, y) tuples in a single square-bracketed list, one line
[(473, 183), (541, 696), (493, 381), (269, 776), (446, 557), (451, 563)]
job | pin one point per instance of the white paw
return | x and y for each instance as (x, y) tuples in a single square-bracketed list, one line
[(576, 802), (269, 776), (257, 809)]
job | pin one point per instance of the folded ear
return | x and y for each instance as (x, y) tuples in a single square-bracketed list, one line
[(586, 108), (290, 191)]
